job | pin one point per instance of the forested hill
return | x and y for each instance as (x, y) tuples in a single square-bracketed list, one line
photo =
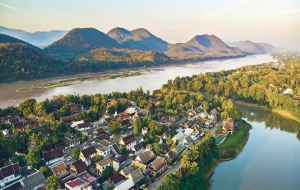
[(138, 39), (276, 86), (19, 61), (249, 47), (8, 39), (202, 46), (124, 55), (79, 41)]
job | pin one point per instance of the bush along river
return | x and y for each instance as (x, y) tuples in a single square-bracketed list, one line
[(270, 158)]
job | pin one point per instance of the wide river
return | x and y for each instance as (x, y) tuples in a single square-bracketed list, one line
[(153, 79), (270, 159)]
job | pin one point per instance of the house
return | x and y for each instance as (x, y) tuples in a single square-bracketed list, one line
[(101, 165), (88, 132), (53, 156), (9, 173), (75, 123), (125, 171), (76, 184), (120, 162), (179, 149), (74, 142), (69, 136), (145, 157), (59, 170), (188, 132), (178, 137), (204, 114), (78, 167), (137, 149), (136, 176), (188, 141), (68, 119), (228, 126), (171, 155), (97, 132), (143, 167), (33, 181), (130, 110), (47, 148), (83, 126), (116, 149), (87, 154), (129, 141), (158, 166), (102, 149), (115, 178), (128, 184)]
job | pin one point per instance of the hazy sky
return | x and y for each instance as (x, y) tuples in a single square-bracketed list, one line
[(273, 21)]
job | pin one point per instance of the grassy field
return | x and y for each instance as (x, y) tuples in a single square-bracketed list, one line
[(234, 144)]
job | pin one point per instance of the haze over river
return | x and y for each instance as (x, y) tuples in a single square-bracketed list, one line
[(154, 79), (270, 159)]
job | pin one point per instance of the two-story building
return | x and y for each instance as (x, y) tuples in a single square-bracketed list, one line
[(9, 173), (53, 156), (87, 155), (158, 166), (59, 170), (129, 141), (101, 165)]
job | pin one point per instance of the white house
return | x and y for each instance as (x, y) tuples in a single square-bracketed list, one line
[(179, 136), (129, 141), (87, 154), (53, 156), (9, 173), (101, 165)]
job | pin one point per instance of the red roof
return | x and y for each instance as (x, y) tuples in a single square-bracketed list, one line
[(74, 183)]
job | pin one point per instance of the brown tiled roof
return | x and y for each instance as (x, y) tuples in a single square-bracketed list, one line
[(138, 147), (146, 156), (58, 168), (88, 151), (122, 158), (19, 125), (99, 131), (129, 139), (116, 178), (158, 163), (9, 170), (14, 120), (83, 125), (79, 166), (68, 119), (56, 153)]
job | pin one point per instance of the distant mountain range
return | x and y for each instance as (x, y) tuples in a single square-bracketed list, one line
[(90, 50), (39, 39), (249, 47)]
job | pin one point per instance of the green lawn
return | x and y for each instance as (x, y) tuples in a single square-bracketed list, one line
[(232, 140)]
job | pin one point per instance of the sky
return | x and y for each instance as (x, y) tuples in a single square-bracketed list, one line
[(272, 21)]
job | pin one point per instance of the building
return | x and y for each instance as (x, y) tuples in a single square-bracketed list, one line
[(102, 149), (9, 173), (137, 149), (158, 166), (178, 137), (59, 170), (145, 157), (116, 149), (228, 126), (128, 184), (136, 176), (76, 184), (101, 165), (78, 167), (33, 181), (87, 155), (129, 141), (53, 156)]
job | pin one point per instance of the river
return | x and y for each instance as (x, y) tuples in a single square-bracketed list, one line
[(150, 80), (270, 159)]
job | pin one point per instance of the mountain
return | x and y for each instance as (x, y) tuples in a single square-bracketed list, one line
[(8, 39), (202, 46), (249, 47), (138, 39), (79, 41), (21, 62), (39, 39), (129, 57)]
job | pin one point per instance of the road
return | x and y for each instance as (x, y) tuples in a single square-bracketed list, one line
[(175, 167)]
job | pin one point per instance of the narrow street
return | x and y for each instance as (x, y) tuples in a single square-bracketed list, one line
[(174, 168)]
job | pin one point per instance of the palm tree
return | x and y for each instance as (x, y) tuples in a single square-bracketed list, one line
[(194, 168), (185, 162), (194, 153), (33, 139), (171, 182)]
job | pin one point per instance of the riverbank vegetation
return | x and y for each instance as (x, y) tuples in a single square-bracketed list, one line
[(69, 82)]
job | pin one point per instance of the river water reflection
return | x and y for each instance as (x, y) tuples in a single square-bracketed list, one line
[(153, 79), (270, 159)]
